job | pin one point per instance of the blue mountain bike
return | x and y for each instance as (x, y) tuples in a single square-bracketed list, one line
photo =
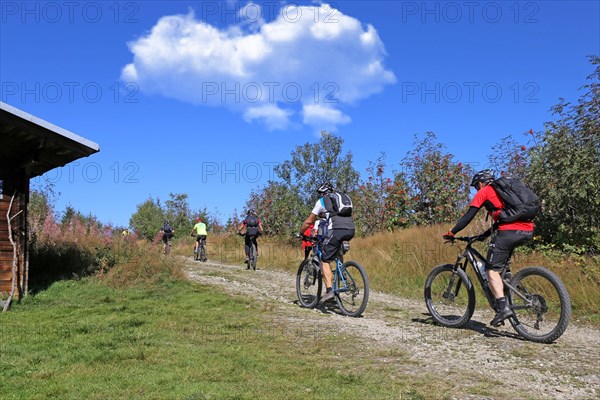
[(350, 282)]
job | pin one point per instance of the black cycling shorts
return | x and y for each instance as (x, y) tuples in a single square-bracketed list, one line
[(200, 237), (332, 243), (502, 246)]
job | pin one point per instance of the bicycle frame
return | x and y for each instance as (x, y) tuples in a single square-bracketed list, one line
[(339, 262), (471, 256), (201, 248)]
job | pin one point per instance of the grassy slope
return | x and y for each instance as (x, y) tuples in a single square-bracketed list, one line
[(175, 340)]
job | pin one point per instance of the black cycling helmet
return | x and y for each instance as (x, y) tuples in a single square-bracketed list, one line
[(325, 188), (250, 211), (485, 176)]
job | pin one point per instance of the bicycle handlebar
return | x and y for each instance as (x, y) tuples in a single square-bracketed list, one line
[(307, 238), (468, 239)]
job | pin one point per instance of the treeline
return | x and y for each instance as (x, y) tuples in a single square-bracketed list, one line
[(561, 164), (151, 214)]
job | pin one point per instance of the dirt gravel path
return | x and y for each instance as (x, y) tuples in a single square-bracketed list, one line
[(477, 357)]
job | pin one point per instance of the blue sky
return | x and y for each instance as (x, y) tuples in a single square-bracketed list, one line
[(205, 98)]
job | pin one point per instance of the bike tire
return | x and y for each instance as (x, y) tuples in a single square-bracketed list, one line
[(449, 296), (308, 284), (167, 248), (352, 294), (203, 253), (253, 257), (547, 317)]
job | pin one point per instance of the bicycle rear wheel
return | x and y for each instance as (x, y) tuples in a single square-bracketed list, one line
[(544, 314), (352, 286), (252, 259), (202, 252), (308, 284), (449, 296)]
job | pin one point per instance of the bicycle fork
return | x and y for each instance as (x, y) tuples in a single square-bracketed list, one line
[(448, 295), (345, 279)]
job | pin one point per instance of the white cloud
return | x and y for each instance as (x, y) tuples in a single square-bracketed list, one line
[(274, 117), (308, 61), (326, 117)]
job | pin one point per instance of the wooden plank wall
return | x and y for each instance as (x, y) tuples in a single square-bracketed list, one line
[(6, 250)]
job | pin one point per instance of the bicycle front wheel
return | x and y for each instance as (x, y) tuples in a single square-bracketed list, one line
[(449, 296), (541, 305), (352, 286), (308, 284)]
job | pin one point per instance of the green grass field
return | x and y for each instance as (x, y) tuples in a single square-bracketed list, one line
[(178, 340)]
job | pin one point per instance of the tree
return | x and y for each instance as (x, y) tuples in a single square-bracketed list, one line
[(370, 199), (509, 158), (439, 185), (148, 218), (315, 163), (178, 212), (279, 207), (397, 203), (284, 204), (565, 170)]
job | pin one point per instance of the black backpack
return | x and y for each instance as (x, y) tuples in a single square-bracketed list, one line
[(167, 228), (520, 202), (252, 225), (251, 221), (338, 204)]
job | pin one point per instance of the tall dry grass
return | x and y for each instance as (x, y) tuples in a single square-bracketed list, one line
[(84, 247), (140, 263)]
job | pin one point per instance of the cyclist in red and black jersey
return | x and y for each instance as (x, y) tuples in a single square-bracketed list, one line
[(507, 236), (252, 228)]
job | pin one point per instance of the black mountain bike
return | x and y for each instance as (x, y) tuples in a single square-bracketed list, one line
[(253, 253), (350, 282), (200, 254), (167, 242), (538, 298)]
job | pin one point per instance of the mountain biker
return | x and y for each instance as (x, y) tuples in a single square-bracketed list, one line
[(253, 227), (199, 230), (507, 236), (336, 230), (167, 232)]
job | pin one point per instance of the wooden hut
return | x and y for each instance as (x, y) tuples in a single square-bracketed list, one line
[(29, 147)]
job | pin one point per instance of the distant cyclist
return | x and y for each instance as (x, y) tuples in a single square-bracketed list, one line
[(199, 230), (167, 232), (252, 227)]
